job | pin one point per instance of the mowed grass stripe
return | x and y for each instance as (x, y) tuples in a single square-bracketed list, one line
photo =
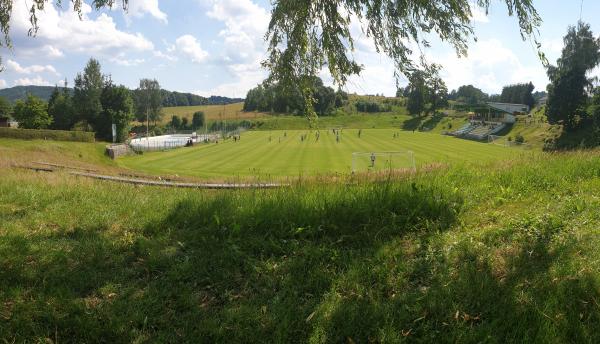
[(263, 159), (254, 154)]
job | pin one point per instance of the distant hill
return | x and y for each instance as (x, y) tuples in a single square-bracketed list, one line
[(170, 98), (20, 92)]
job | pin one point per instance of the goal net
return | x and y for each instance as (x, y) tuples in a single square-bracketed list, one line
[(382, 161)]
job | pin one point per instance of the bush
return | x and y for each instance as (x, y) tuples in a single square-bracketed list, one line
[(157, 131), (519, 138), (372, 106), (198, 120), (44, 134)]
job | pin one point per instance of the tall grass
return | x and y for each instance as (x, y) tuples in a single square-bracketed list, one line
[(465, 254)]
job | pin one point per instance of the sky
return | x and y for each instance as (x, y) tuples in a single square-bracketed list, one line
[(214, 47)]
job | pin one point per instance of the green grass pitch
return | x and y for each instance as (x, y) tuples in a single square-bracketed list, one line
[(283, 153)]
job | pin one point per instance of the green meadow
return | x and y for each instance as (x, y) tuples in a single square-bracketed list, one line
[(503, 253), (283, 153)]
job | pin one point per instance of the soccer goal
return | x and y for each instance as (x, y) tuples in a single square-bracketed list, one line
[(382, 161), (498, 140)]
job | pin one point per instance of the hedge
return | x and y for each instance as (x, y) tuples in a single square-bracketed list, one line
[(43, 134)]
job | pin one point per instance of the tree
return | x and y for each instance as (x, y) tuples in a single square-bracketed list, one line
[(198, 120), (518, 94), (149, 101), (437, 90), (5, 107), (304, 37), (417, 93), (400, 92), (469, 95), (595, 107), (371, 106), (87, 92), (185, 123), (175, 122), (32, 113), (60, 107), (276, 98), (117, 108), (569, 85), (341, 98)]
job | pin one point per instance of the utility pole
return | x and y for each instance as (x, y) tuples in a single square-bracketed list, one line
[(147, 127)]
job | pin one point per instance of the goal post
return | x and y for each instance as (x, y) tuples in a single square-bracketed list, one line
[(498, 140), (382, 161)]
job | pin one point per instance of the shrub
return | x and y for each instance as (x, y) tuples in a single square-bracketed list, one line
[(372, 106), (32, 113), (157, 131), (519, 138), (198, 120), (44, 134)]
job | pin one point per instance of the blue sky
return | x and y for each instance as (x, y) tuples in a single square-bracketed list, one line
[(212, 47)]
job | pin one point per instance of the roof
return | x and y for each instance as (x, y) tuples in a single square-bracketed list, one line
[(509, 108), (510, 104)]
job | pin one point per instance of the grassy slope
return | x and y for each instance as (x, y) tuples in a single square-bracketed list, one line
[(212, 112), (505, 254), (351, 121), (70, 153), (264, 121), (255, 154)]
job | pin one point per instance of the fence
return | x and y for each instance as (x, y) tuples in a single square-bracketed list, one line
[(167, 142), (181, 139)]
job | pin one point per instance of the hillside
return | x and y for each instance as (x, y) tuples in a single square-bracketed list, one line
[(213, 112), (20, 92), (170, 98)]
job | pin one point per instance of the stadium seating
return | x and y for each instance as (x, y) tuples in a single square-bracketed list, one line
[(478, 130), (464, 130)]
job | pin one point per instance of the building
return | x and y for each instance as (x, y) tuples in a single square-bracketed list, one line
[(6, 122), (490, 120), (502, 112)]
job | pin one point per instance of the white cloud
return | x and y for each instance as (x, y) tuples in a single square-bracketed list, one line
[(552, 47), (139, 8), (478, 15), (242, 37), (188, 45), (17, 68), (490, 65), (127, 63), (165, 56), (64, 30), (246, 76), (245, 24), (2, 83), (36, 81), (51, 51)]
